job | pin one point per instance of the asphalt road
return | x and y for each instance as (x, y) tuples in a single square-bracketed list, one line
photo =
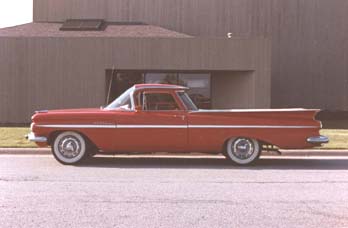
[(36, 191)]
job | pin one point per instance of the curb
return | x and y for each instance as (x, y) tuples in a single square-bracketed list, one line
[(308, 153), (46, 151), (25, 151)]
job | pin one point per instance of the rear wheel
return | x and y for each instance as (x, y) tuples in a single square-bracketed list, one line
[(243, 151), (69, 148)]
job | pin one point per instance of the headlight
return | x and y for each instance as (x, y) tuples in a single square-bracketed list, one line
[(31, 127)]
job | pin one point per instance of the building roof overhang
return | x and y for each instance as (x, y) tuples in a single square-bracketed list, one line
[(112, 30)]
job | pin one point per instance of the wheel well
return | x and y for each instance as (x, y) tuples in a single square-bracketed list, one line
[(52, 136), (261, 142), (224, 146)]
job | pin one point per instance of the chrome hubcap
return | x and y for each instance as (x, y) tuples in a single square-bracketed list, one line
[(243, 148), (69, 147)]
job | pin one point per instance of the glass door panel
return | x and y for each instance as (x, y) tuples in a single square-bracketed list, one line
[(200, 88)]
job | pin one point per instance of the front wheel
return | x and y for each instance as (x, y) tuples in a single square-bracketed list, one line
[(243, 151), (69, 148)]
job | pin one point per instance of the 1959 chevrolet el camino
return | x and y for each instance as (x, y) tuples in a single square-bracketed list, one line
[(162, 118)]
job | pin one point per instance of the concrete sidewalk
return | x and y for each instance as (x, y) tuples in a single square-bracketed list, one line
[(323, 152)]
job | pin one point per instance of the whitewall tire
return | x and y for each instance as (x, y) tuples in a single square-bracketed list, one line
[(243, 151), (69, 148)]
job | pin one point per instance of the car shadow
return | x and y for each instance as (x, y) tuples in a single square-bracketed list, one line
[(214, 163)]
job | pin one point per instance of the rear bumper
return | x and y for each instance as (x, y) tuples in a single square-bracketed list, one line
[(318, 139), (33, 138)]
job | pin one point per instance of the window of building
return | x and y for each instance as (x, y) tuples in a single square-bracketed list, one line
[(161, 78), (200, 88), (199, 83), (118, 82)]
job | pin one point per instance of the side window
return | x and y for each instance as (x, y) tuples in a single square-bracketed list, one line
[(158, 102)]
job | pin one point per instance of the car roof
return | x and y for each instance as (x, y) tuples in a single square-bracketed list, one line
[(159, 86)]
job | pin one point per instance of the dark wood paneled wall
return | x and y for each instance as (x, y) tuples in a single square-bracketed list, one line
[(309, 39), (308, 36)]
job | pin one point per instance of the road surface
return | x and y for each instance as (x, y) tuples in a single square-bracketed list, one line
[(36, 191)]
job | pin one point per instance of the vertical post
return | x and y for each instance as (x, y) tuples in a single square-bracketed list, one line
[(110, 84)]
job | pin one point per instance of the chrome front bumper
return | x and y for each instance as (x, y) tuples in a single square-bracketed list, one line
[(33, 138), (318, 139)]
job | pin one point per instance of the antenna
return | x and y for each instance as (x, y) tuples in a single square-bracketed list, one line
[(110, 84)]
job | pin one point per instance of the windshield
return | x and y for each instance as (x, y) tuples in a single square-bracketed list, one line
[(187, 101), (122, 102)]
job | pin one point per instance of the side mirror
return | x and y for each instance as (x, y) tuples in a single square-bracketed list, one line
[(138, 108)]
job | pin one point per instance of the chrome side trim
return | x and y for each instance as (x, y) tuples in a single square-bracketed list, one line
[(41, 111), (77, 125), (33, 138), (252, 110), (123, 126), (151, 126), (318, 139), (249, 126)]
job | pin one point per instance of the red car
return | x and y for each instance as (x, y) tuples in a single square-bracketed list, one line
[(162, 118)]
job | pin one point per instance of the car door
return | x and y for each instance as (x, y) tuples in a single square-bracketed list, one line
[(160, 125)]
